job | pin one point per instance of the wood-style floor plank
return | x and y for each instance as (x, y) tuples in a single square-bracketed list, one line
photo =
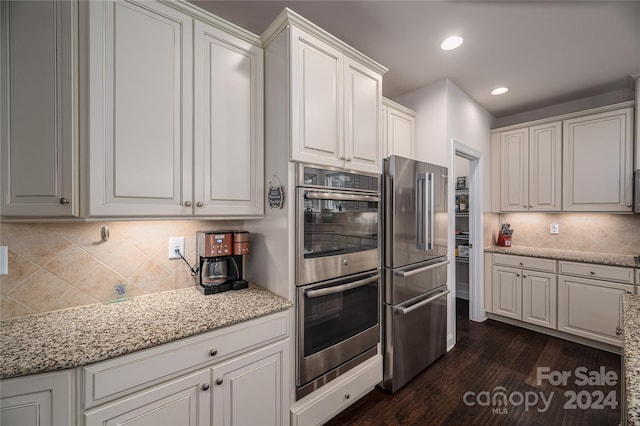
[(486, 356)]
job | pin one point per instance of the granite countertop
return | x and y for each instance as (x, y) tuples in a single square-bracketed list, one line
[(569, 255), (78, 336), (632, 357)]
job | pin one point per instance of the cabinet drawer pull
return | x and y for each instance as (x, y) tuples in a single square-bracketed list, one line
[(521, 264), (219, 382), (347, 396), (205, 387), (213, 352), (64, 201), (592, 273)]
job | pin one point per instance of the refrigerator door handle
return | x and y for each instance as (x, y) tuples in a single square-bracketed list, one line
[(421, 189), (404, 311), (431, 213), (404, 274)]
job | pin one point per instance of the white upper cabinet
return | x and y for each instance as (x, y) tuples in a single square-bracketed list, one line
[(317, 92), (175, 125), (333, 96), (581, 161), (140, 95), (399, 129), (38, 108), (228, 145), (530, 178), (598, 162)]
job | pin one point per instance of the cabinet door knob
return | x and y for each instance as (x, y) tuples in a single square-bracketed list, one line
[(517, 275), (187, 203), (592, 273), (205, 387), (521, 264), (219, 382), (342, 157), (64, 201), (199, 204), (348, 158), (213, 352), (347, 396)]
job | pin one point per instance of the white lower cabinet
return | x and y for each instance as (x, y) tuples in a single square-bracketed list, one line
[(577, 298), (184, 401), (591, 308), (238, 375), (38, 400), (525, 294), (249, 390), (322, 405)]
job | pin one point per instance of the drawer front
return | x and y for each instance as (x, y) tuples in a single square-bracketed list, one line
[(525, 262), (107, 380), (599, 272), (319, 407)]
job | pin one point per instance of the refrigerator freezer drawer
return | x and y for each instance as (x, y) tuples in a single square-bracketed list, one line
[(414, 338), (403, 284)]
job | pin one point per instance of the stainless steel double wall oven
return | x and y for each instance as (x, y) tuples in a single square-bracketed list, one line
[(337, 273)]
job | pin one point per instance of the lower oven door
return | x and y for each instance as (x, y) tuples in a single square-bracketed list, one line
[(338, 320)]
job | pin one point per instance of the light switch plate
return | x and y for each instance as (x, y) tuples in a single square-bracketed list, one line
[(176, 243), (554, 229)]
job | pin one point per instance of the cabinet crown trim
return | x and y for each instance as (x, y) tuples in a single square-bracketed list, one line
[(216, 21), (402, 108), (289, 17), (567, 116)]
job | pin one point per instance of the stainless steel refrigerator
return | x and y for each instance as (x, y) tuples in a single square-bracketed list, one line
[(415, 268)]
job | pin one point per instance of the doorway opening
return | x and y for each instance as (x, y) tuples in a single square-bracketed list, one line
[(466, 239)]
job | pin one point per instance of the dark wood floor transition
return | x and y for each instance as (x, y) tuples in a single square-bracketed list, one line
[(463, 387)]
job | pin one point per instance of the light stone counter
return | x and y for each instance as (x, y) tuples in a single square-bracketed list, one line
[(78, 336), (569, 255), (631, 358)]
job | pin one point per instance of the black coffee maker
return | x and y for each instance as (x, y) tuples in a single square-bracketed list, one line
[(220, 256)]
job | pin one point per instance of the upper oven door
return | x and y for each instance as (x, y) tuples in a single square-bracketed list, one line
[(337, 234)]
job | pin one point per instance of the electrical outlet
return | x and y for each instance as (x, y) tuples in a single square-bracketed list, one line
[(176, 243), (554, 229)]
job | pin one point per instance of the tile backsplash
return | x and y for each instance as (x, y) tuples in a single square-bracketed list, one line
[(61, 265), (594, 232)]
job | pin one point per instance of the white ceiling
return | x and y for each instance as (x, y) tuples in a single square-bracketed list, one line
[(546, 52)]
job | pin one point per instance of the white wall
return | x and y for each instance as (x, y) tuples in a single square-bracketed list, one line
[(430, 105), (444, 112)]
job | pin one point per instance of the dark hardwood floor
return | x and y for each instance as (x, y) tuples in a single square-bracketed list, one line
[(489, 355)]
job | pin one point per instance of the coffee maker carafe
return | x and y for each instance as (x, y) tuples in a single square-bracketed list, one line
[(220, 255)]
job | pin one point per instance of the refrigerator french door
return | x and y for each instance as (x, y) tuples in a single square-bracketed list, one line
[(415, 268)]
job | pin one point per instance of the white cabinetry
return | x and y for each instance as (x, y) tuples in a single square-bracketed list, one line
[(333, 93), (598, 162), (590, 300), (38, 108), (399, 129), (524, 288), (183, 401), (530, 159), (173, 130), (38, 400), (234, 376), (581, 161)]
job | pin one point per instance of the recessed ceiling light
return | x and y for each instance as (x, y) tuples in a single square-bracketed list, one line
[(499, 90), (451, 43)]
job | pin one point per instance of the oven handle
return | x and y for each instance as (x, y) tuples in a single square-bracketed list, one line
[(404, 311), (339, 289), (339, 196), (405, 274)]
